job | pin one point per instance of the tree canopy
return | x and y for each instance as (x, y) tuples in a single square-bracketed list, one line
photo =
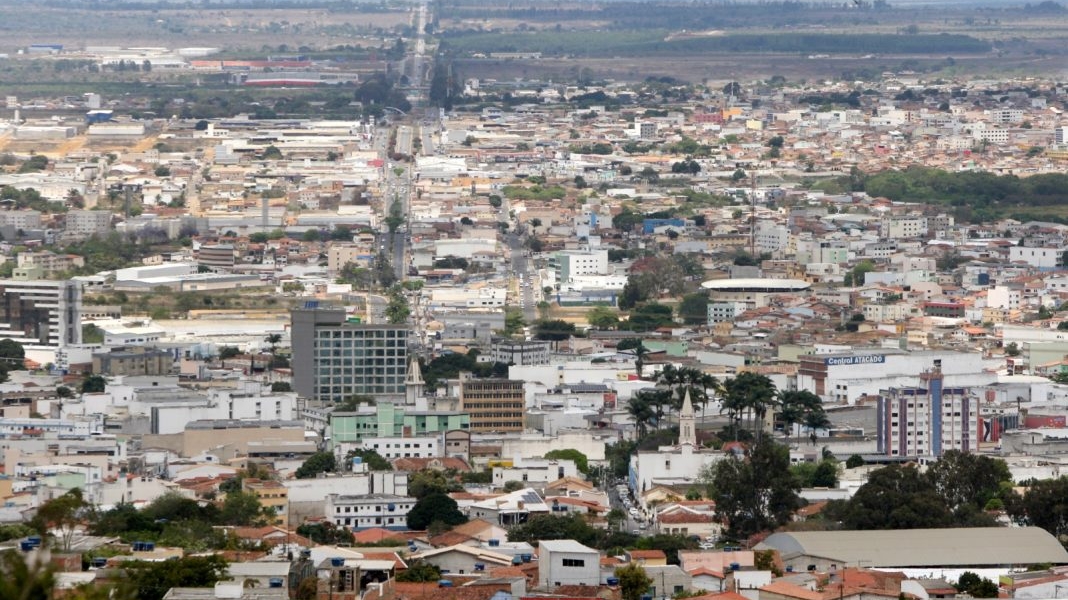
[(581, 462), (320, 462), (433, 508), (952, 493), (757, 492)]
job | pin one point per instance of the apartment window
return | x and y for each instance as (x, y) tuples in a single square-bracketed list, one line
[(574, 562)]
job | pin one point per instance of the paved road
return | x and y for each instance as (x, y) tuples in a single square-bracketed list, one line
[(426, 135), (404, 140), (521, 270), (632, 523)]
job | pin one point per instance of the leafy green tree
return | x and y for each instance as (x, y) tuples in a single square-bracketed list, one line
[(894, 497), (93, 384), (228, 352), (855, 276), (581, 462), (325, 532), (397, 310), (435, 507), (320, 462), (281, 386), (693, 309), (554, 330), (24, 580), (1042, 505), (552, 527), (602, 317), (758, 492), (634, 582), (419, 571), (243, 508), (513, 320), (854, 461), (152, 580), (373, 460), (976, 586), (967, 481), (512, 486), (427, 482), (650, 316), (822, 474), (62, 514)]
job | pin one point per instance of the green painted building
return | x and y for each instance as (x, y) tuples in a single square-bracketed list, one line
[(393, 420)]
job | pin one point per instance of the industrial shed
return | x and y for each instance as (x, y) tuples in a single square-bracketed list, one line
[(904, 548)]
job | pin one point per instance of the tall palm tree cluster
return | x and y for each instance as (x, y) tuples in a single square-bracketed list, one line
[(648, 406), (746, 399)]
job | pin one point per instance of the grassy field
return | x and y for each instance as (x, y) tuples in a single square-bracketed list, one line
[(174, 28), (599, 44)]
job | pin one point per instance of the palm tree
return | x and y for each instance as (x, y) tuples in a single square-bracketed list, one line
[(795, 406), (640, 352), (751, 394), (639, 408), (816, 419)]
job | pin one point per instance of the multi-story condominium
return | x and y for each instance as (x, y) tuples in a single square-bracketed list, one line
[(928, 420), (493, 404), (84, 223), (41, 313), (50, 262), (335, 357), (520, 353), (368, 511), (389, 420)]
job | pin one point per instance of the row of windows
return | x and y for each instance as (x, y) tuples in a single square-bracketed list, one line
[(477, 406), (367, 521), (498, 424), (378, 508), (376, 334), (574, 562), (495, 415)]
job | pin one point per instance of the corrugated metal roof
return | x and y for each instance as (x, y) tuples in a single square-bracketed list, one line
[(976, 546)]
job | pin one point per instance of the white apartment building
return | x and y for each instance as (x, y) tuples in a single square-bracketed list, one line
[(992, 135), (771, 237), (724, 312), (896, 228), (1003, 297), (521, 353), (572, 263), (1007, 116), (928, 420), (403, 447), (21, 219), (1060, 135), (1046, 258), (534, 470), (84, 223), (41, 313), (366, 511), (887, 312)]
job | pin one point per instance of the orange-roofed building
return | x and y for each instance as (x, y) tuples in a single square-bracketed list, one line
[(376, 535), (647, 558)]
